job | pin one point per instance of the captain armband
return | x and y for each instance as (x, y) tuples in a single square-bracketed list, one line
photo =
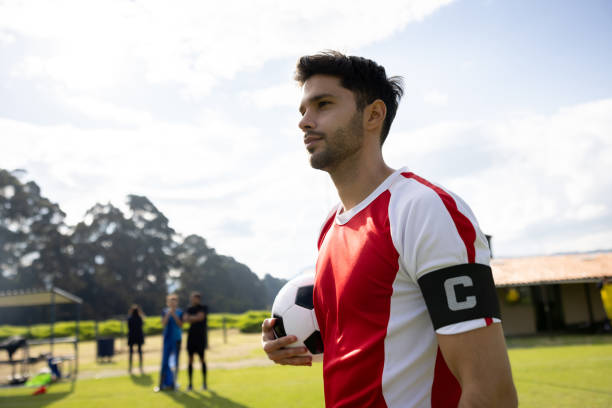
[(459, 293)]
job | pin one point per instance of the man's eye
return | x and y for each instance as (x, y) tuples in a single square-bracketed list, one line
[(323, 103)]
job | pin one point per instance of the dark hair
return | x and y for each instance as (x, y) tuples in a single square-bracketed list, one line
[(135, 310), (364, 77)]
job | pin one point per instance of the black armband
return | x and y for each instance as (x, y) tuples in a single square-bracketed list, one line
[(460, 293)]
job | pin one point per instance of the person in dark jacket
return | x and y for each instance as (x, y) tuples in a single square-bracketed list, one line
[(135, 334), (197, 339)]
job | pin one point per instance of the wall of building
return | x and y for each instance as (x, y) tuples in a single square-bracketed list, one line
[(575, 305), (517, 318)]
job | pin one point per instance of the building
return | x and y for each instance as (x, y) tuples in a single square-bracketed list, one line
[(556, 293)]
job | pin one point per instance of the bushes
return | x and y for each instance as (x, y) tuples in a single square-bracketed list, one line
[(8, 331), (248, 322)]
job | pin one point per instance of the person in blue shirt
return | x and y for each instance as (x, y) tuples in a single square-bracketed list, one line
[(172, 321)]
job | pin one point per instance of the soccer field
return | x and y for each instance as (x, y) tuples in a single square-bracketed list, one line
[(563, 376), (559, 376), (236, 388)]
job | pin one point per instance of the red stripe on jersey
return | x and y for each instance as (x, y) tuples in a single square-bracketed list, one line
[(328, 223), (462, 223), (489, 321), (356, 268), (445, 391)]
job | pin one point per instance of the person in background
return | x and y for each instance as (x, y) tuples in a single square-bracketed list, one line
[(197, 339), (172, 321), (135, 334)]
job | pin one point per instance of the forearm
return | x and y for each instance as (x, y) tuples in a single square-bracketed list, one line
[(199, 317), (488, 396), (178, 321)]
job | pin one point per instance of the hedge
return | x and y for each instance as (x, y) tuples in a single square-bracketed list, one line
[(248, 322)]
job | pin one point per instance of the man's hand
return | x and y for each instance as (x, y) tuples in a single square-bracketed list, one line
[(275, 350)]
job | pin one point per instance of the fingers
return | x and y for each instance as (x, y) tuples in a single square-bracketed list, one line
[(289, 355), (270, 345), (276, 348), (296, 361), (267, 331)]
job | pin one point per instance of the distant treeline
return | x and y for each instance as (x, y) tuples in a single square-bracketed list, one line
[(111, 259)]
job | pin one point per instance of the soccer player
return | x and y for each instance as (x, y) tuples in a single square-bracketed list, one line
[(404, 294), (197, 339)]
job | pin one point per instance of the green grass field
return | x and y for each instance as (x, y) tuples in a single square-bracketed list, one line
[(564, 376), (239, 388), (565, 372)]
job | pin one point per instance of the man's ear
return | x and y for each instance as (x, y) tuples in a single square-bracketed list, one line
[(374, 115)]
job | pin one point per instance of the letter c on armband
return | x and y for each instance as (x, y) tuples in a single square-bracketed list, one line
[(451, 295)]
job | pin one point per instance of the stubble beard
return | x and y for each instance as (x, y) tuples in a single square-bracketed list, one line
[(345, 142)]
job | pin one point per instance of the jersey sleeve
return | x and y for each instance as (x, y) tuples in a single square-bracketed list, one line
[(442, 249)]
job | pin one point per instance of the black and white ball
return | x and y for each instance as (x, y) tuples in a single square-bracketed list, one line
[(294, 312)]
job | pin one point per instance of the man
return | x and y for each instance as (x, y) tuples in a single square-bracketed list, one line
[(172, 322), (197, 339), (403, 294)]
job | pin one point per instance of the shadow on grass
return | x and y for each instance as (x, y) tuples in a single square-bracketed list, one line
[(29, 400), (142, 380), (203, 399)]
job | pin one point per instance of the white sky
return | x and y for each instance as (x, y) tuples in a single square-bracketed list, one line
[(509, 104)]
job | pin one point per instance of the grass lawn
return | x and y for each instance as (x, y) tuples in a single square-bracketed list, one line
[(237, 388), (560, 372), (564, 376)]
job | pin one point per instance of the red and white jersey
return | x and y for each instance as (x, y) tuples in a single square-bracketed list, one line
[(407, 262)]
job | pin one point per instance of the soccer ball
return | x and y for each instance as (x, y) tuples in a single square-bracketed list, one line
[(295, 315)]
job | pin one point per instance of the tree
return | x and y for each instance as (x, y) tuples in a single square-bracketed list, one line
[(112, 259), (34, 245), (33, 242), (272, 285), (225, 285), (123, 260)]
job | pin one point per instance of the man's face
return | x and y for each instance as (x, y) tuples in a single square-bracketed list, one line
[(172, 301), (331, 122), (195, 300)]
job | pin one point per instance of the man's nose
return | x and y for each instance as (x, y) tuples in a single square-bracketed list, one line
[(306, 123)]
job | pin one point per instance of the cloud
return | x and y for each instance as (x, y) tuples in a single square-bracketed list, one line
[(285, 94), (435, 98), (524, 175), (98, 44), (6, 38), (208, 178), (110, 113)]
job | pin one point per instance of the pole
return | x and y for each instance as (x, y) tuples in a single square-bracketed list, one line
[(52, 318), (76, 341), (587, 293), (224, 331)]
